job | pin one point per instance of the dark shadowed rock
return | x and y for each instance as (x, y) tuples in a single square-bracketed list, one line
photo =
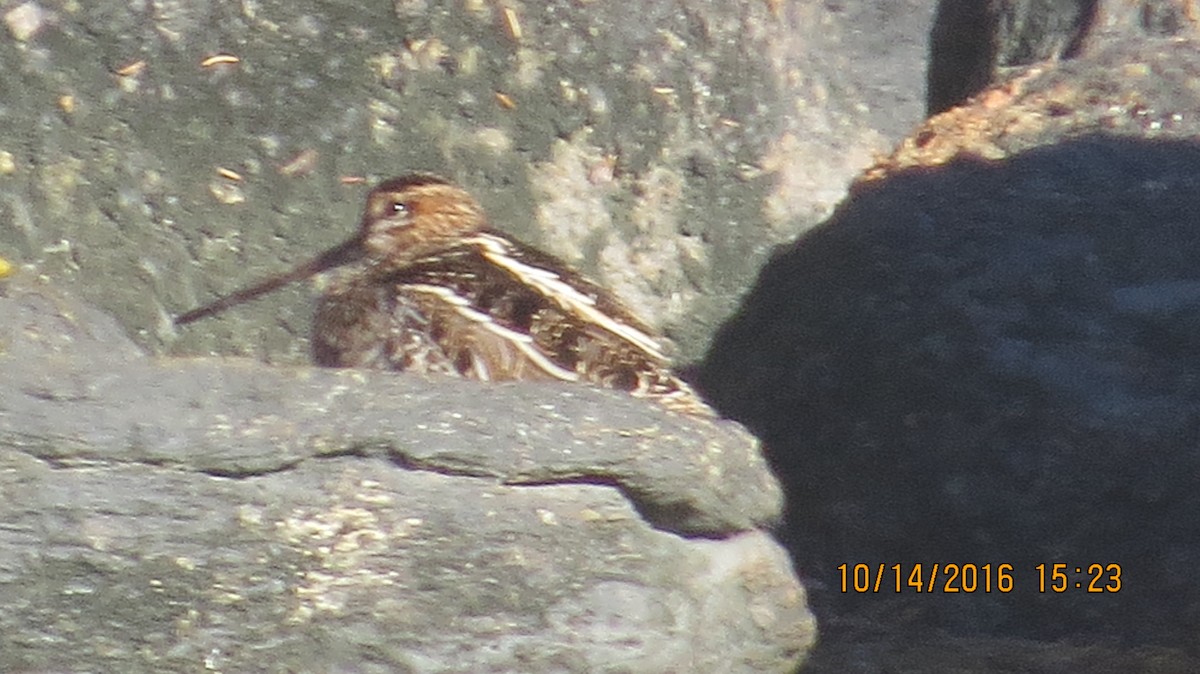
[(180, 514), (974, 45), (989, 355)]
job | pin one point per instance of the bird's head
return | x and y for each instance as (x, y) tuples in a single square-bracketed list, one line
[(405, 220), (416, 216)]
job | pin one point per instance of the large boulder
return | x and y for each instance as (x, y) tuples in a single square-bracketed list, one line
[(988, 355), (661, 147), (163, 515)]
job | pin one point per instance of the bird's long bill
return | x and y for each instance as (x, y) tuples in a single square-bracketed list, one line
[(345, 253)]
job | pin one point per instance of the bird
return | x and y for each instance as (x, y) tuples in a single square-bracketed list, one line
[(429, 286)]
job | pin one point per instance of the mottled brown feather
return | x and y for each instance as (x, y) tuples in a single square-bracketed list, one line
[(430, 288)]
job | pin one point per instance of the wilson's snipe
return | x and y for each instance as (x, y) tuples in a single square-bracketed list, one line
[(433, 289)]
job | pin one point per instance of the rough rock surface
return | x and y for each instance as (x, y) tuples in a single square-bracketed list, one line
[(172, 515), (974, 45), (989, 355), (663, 147)]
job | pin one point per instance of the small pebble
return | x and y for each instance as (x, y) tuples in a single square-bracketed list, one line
[(25, 20)]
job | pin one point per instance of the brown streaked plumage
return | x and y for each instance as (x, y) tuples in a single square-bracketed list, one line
[(431, 288)]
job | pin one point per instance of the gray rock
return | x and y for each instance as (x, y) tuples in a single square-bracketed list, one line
[(989, 355), (162, 515), (662, 147), (974, 45)]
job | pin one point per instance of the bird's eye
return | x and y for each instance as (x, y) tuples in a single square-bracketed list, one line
[(398, 208)]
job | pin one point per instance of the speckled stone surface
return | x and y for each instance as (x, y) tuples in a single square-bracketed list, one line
[(222, 514), (662, 147)]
